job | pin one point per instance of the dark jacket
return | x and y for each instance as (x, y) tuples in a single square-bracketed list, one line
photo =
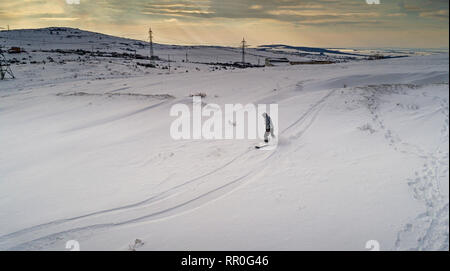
[(269, 124)]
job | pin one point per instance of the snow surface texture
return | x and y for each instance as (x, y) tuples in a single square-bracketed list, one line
[(86, 155)]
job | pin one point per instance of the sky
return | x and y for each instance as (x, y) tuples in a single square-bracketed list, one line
[(319, 23)]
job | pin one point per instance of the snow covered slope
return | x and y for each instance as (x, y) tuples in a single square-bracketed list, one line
[(56, 43), (363, 155)]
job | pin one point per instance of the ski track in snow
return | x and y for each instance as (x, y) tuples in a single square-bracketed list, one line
[(309, 112), (113, 118), (154, 199), (193, 201), (425, 186), (427, 229)]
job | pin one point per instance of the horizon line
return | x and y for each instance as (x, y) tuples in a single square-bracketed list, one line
[(230, 46)]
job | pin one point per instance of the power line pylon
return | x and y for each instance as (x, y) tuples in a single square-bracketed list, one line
[(150, 36), (244, 45), (5, 68)]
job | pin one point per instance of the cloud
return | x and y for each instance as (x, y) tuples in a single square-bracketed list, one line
[(171, 20), (257, 7), (397, 14), (286, 17), (58, 19), (296, 11), (421, 6), (440, 14)]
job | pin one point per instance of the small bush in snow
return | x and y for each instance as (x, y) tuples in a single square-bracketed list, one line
[(137, 244), (198, 94)]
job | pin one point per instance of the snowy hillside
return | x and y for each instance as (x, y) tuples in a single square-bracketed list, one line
[(111, 57), (86, 152)]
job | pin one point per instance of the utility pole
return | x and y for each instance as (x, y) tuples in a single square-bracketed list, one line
[(244, 44), (186, 57), (150, 36), (168, 57)]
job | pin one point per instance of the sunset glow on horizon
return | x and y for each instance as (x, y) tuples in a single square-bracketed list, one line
[(321, 23)]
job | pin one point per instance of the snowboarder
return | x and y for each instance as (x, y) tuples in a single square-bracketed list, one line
[(269, 127)]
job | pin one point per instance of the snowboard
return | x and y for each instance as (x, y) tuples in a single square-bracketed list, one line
[(261, 146)]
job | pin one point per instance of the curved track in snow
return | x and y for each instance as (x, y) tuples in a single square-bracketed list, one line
[(179, 199)]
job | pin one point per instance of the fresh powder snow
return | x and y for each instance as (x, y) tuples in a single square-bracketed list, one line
[(86, 152)]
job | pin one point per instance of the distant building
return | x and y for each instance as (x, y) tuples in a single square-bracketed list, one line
[(376, 57), (242, 65), (15, 50), (272, 61)]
